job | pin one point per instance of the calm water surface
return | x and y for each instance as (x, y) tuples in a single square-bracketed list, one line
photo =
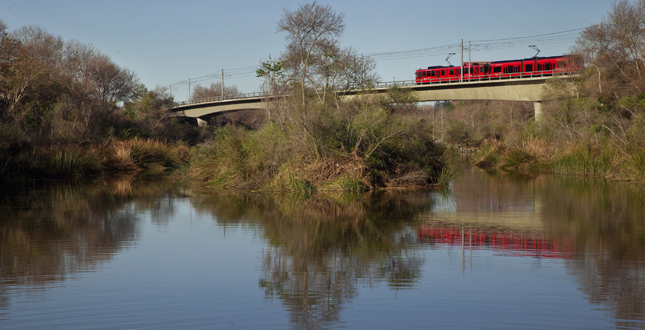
[(495, 251)]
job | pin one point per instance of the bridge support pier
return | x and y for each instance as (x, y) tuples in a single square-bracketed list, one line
[(538, 110), (201, 122)]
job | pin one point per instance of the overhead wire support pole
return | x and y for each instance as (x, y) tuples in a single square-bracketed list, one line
[(222, 95), (461, 70)]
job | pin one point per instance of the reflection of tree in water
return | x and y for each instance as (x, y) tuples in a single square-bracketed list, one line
[(608, 221), (322, 249), (47, 234)]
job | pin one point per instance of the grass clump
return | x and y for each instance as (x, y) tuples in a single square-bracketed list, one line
[(583, 160), (72, 161), (50, 162), (289, 181), (488, 155)]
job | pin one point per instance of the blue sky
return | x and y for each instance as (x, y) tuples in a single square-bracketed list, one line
[(166, 42)]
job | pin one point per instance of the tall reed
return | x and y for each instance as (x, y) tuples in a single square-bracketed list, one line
[(584, 160), (51, 161)]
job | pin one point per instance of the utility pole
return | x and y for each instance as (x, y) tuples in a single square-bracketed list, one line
[(362, 71), (461, 68), (441, 122), (222, 84), (433, 107), (189, 88)]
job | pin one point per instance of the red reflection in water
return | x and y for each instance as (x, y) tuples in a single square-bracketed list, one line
[(510, 243)]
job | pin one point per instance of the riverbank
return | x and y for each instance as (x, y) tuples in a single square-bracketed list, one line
[(535, 156), (135, 156)]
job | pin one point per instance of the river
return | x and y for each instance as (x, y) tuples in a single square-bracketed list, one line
[(495, 251)]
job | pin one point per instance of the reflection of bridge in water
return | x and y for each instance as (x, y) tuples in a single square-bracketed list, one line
[(516, 244), (481, 200)]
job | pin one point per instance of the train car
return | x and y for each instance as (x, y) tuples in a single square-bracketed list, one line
[(530, 67), (476, 70), (438, 74), (537, 66)]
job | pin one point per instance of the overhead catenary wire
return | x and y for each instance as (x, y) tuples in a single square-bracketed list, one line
[(567, 36), (560, 37)]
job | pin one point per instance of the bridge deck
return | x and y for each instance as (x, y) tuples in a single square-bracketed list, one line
[(528, 88)]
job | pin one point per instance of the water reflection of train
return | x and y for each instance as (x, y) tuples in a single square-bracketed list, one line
[(510, 243)]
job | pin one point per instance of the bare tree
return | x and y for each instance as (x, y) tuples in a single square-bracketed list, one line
[(9, 56), (97, 86), (38, 61), (615, 49), (214, 90), (310, 29), (614, 52), (112, 84)]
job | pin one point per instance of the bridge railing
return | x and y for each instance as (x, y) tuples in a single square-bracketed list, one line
[(219, 98), (399, 83)]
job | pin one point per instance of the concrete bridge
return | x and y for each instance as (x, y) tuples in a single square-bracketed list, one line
[(529, 87)]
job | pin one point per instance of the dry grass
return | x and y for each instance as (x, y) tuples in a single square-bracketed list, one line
[(539, 149), (143, 155), (348, 173)]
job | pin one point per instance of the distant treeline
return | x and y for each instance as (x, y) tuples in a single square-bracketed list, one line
[(62, 105), (53, 92)]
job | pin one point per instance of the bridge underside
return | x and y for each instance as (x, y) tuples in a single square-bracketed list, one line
[(526, 89), (209, 109)]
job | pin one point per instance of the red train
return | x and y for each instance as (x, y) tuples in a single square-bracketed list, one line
[(530, 67)]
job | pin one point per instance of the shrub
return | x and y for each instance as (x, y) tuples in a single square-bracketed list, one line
[(353, 145)]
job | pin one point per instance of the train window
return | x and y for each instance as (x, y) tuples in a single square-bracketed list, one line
[(547, 66), (443, 73), (528, 67), (562, 64), (432, 73), (452, 72), (497, 69), (424, 74)]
